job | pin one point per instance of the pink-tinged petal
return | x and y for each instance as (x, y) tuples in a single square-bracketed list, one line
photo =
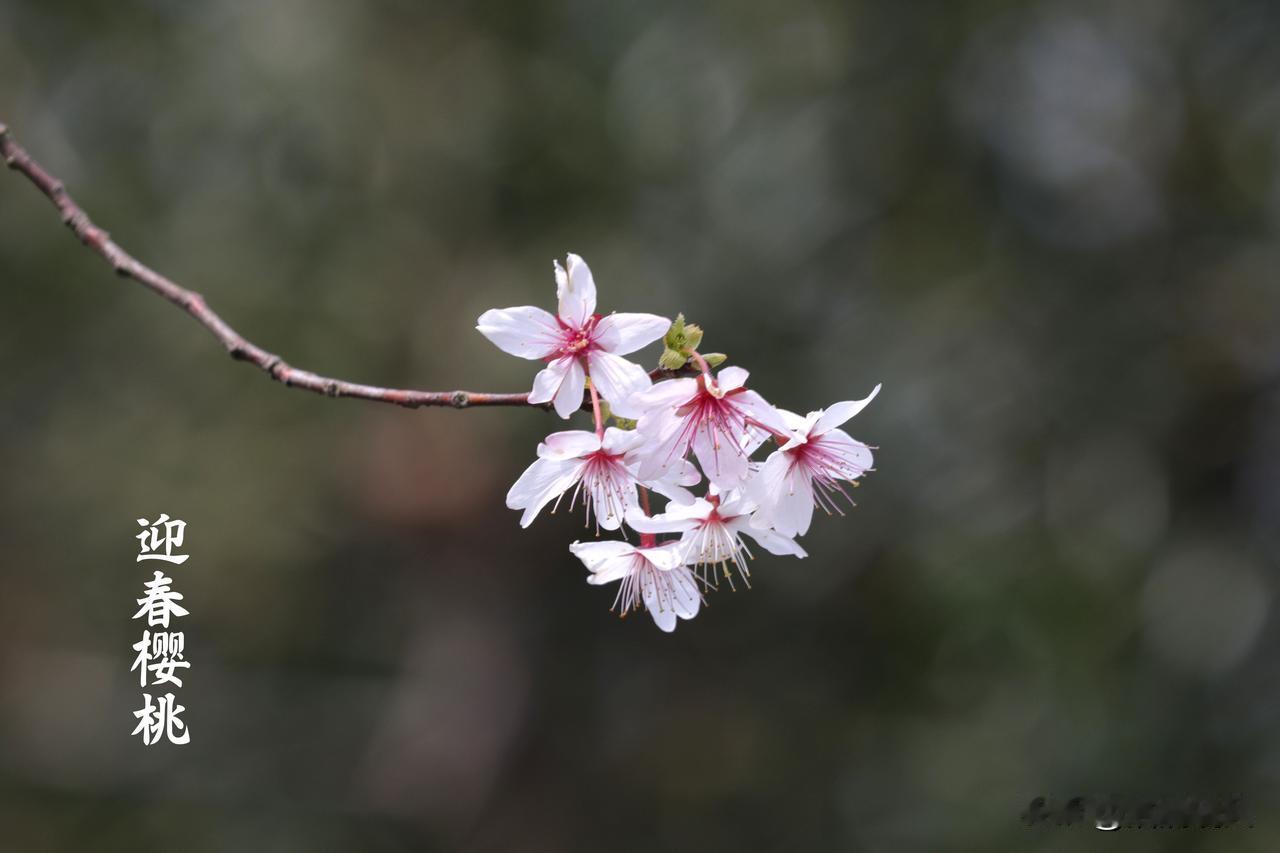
[(667, 393), (663, 450), (618, 442), (853, 458), (839, 413), (661, 523), (616, 378), (657, 398), (568, 444), (797, 426), (576, 290), (549, 380), (794, 422), (785, 494), (732, 377), (725, 464), (625, 333), (774, 543), (687, 475), (527, 332), (568, 397), (796, 440), (597, 555), (753, 406), (541, 483), (751, 442)]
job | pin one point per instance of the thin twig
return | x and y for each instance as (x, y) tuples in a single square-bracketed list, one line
[(236, 345)]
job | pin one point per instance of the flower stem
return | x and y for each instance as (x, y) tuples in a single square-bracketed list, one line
[(595, 408), (701, 362)]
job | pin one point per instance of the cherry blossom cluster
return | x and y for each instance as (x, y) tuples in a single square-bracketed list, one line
[(658, 429)]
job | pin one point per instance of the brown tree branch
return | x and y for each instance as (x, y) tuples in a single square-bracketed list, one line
[(237, 346)]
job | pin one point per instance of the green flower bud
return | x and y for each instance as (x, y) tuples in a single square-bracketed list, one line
[(715, 359), (672, 359), (675, 335), (623, 423)]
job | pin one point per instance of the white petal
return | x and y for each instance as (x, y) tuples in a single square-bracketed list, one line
[(620, 441), (576, 291), (624, 333), (667, 393), (759, 410), (672, 484), (855, 457), (598, 557), (794, 422), (684, 593), (793, 512), (774, 543), (838, 413), (667, 556), (615, 377), (660, 523), (569, 396), (549, 380), (656, 592), (611, 500), (613, 569), (735, 502), (724, 463), (658, 397), (731, 378), (527, 332), (541, 483), (569, 444), (785, 495)]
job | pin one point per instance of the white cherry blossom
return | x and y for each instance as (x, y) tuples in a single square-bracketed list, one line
[(810, 467), (654, 576), (602, 469), (718, 418), (711, 531), (575, 342)]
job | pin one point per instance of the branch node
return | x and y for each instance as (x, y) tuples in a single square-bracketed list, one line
[(331, 388), (459, 399)]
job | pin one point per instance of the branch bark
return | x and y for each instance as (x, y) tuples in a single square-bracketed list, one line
[(239, 348)]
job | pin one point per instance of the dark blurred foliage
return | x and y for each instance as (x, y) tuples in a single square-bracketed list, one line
[(1050, 229)]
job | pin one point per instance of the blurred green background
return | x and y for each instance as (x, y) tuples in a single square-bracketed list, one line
[(1050, 229)]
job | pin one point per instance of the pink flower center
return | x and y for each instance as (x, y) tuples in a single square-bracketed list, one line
[(577, 341), (826, 465)]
